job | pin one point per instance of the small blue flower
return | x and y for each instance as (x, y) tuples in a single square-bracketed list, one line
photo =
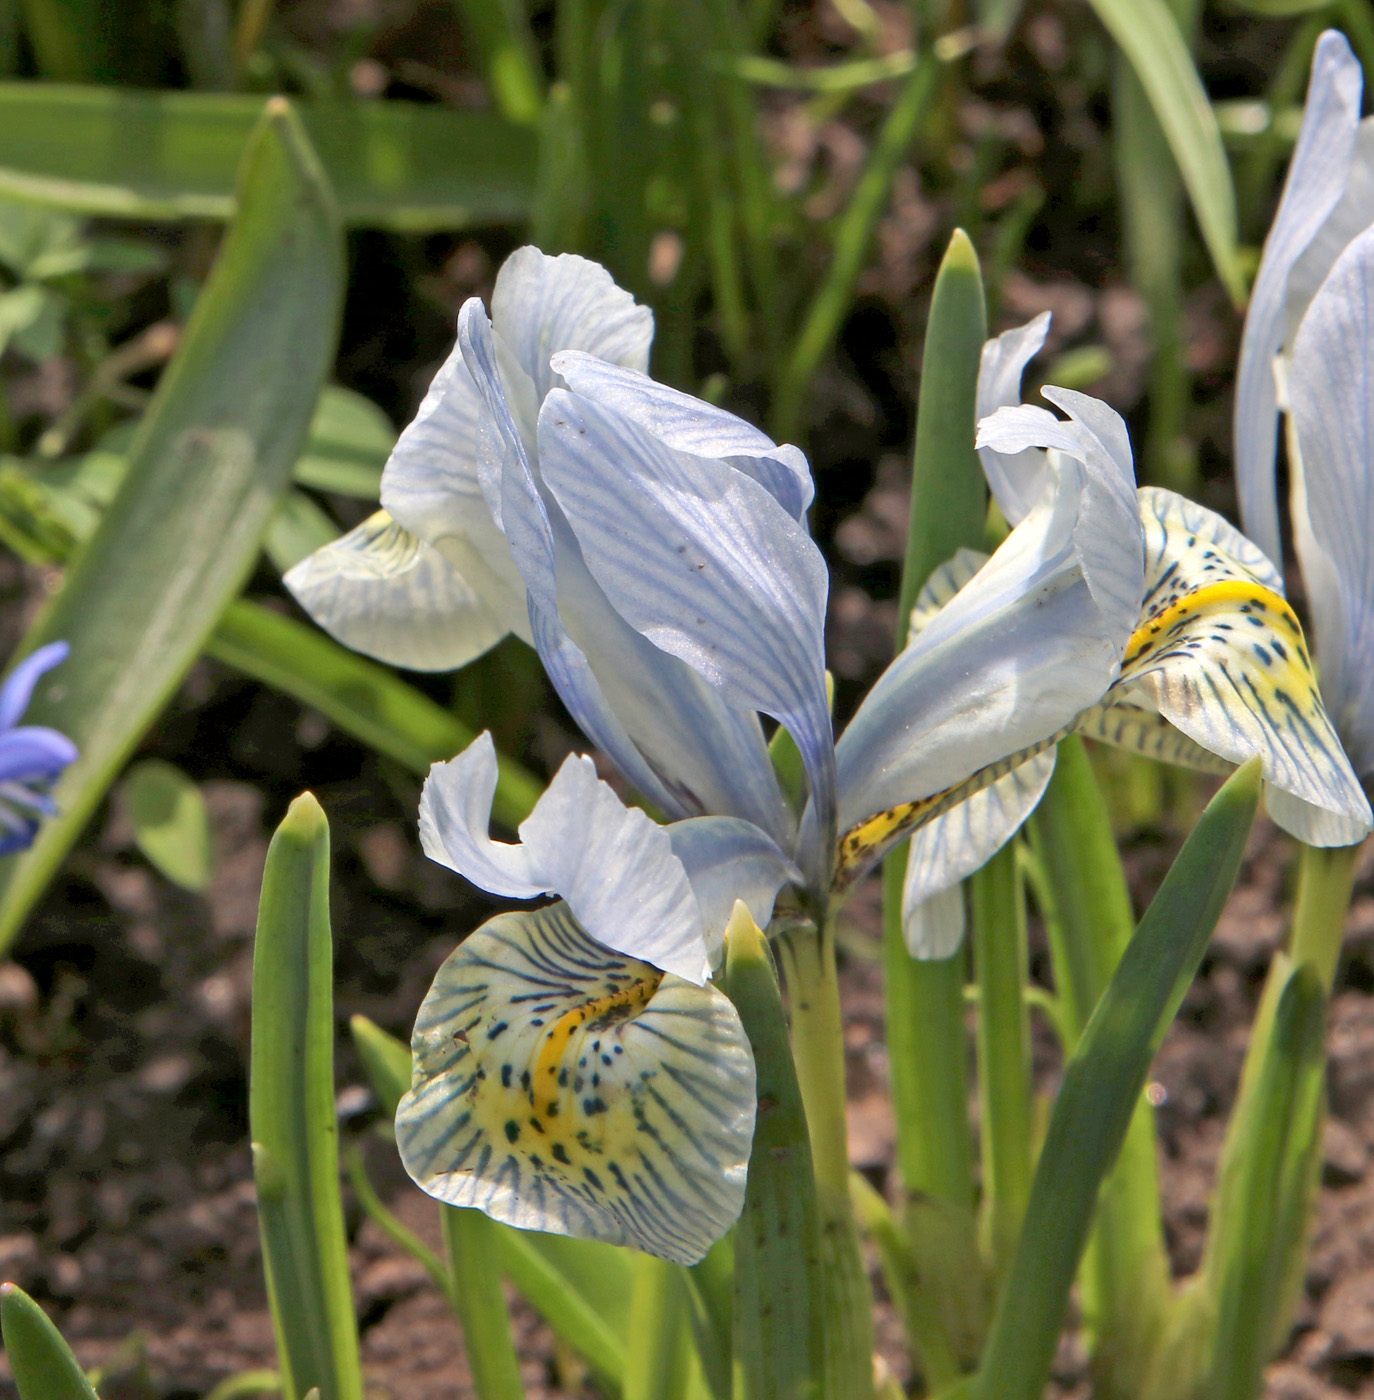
[(32, 757)]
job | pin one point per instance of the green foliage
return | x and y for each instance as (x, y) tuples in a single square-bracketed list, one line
[(170, 823), (291, 1114), (1102, 1082), (175, 155), (207, 468), (41, 1362)]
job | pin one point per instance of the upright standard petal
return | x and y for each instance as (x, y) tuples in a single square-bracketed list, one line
[(1331, 394), (1018, 478), (562, 1087), (385, 592), (544, 304), (702, 561), (613, 865), (686, 424), (1032, 640), (1316, 180)]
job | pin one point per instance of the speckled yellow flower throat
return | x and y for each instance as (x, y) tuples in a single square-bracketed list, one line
[(559, 1086)]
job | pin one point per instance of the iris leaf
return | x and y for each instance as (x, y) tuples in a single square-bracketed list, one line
[(210, 461), (41, 1362)]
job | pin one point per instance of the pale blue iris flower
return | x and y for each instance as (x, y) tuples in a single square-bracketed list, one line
[(1215, 668), (32, 756), (676, 599), (1309, 348)]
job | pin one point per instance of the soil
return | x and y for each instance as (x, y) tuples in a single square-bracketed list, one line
[(126, 1198)]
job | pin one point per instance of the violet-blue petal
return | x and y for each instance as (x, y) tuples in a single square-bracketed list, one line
[(34, 753), (19, 685)]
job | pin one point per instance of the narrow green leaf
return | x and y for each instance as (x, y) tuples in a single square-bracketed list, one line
[(470, 1238), (1267, 1178), (66, 38), (657, 1329), (1087, 909), (1102, 1082), (386, 1061), (41, 1362), (779, 1352), (926, 1035), (211, 459), (362, 698), (170, 822), (291, 1114), (1149, 36), (711, 1295), (246, 1383), (173, 155)]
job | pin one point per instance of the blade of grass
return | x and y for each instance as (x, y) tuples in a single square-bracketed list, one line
[(1101, 1085), (140, 155), (291, 1114), (40, 1360), (850, 247), (510, 61), (361, 697), (212, 457), (1148, 34)]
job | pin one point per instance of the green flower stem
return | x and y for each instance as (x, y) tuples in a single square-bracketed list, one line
[(928, 1051), (653, 1343), (1004, 1076), (818, 1048), (481, 1304), (1126, 1290), (1325, 879)]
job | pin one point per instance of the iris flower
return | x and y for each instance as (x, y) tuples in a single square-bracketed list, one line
[(677, 601), (1215, 667), (32, 756), (1309, 348)]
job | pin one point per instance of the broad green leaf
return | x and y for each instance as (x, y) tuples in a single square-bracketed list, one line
[(41, 1362), (173, 155), (291, 1114), (350, 440), (211, 459), (1102, 1083), (170, 823), (1149, 36), (364, 699), (779, 1350)]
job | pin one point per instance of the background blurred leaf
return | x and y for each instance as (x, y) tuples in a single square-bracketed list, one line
[(142, 155), (42, 1363), (298, 528), (1150, 38), (291, 1113), (349, 442), (365, 699), (210, 461), (170, 823)]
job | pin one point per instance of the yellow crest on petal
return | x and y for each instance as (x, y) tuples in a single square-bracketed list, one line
[(560, 1086)]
